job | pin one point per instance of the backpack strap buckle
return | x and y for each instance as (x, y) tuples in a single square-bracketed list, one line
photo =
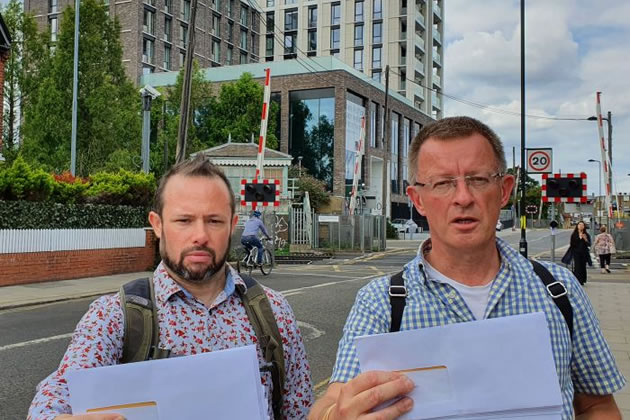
[(397, 291), (556, 289)]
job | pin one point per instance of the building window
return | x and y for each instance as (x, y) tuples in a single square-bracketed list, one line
[(243, 44), (376, 75), (289, 1), (183, 35), (358, 59), (312, 40), (290, 20), (271, 3), (167, 57), (335, 38), (216, 4), (230, 34), (168, 6), (216, 25), (269, 46), (244, 14), (53, 6), (378, 9), (243, 58), (147, 70), (254, 43), (53, 29), (312, 17), (358, 35), (228, 58), (148, 50), (182, 58), (148, 24), (271, 22), (377, 33), (167, 29), (335, 14), (394, 154), (376, 57), (290, 41), (216, 51), (185, 13), (230, 8), (358, 11), (373, 124)]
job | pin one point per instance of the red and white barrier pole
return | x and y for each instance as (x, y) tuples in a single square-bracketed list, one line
[(605, 161), (263, 126)]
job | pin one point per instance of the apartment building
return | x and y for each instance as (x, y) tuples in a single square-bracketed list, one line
[(368, 35), (155, 33)]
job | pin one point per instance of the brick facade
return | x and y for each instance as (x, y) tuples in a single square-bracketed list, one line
[(36, 267)]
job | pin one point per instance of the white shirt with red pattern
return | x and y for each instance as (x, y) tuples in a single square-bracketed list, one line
[(186, 327)]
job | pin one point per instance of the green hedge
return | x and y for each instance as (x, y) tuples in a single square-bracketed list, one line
[(47, 215)]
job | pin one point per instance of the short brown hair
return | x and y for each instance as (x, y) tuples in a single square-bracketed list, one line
[(602, 228), (453, 128), (198, 166)]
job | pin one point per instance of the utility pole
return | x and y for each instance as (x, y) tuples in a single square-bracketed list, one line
[(75, 88), (184, 112), (522, 246), (610, 148)]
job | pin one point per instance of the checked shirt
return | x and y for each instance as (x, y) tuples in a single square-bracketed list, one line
[(584, 364)]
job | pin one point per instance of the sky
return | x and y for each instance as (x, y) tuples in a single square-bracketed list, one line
[(573, 48)]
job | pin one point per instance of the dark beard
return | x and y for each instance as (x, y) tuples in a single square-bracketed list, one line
[(196, 277)]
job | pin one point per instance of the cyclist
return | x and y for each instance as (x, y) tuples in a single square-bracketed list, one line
[(249, 239)]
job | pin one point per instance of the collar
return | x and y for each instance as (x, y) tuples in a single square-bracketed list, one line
[(166, 286)]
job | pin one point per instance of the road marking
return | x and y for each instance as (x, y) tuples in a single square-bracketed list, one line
[(309, 331), (558, 250), (333, 283), (38, 341)]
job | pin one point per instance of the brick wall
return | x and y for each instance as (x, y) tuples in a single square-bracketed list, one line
[(33, 267)]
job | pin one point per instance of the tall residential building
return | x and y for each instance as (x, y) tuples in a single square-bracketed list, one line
[(366, 34), (154, 33)]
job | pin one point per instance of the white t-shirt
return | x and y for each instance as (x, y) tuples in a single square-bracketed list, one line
[(476, 297)]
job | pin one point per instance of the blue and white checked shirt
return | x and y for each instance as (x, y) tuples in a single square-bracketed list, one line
[(584, 364)]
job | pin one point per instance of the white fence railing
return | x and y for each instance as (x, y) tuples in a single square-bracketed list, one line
[(46, 240)]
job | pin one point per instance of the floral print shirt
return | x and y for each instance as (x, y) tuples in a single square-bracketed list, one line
[(186, 327)]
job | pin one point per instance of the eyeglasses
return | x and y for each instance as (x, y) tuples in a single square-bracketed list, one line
[(443, 186)]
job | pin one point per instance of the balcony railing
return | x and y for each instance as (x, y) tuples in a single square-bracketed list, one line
[(418, 91), (419, 66), (419, 41), (436, 79), (437, 10), (437, 58), (437, 36), (436, 101), (420, 18)]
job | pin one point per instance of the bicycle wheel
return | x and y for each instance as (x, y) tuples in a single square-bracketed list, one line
[(267, 263)]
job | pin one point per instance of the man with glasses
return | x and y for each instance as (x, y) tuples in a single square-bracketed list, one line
[(457, 172)]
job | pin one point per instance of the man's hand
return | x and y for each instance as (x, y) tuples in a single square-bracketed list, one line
[(90, 417), (356, 399)]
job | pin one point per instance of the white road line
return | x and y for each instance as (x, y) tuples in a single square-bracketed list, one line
[(38, 341), (333, 283)]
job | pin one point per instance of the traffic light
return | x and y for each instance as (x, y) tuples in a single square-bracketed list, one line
[(564, 187), (260, 193)]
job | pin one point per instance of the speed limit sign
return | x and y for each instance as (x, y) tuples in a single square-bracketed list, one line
[(539, 161)]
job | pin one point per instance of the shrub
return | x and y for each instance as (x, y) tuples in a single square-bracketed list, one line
[(21, 182), (122, 188), (68, 189)]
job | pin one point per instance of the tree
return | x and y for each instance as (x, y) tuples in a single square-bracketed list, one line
[(108, 104), (235, 111), (317, 193), (28, 53)]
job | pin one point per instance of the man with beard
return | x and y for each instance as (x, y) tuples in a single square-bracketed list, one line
[(194, 218)]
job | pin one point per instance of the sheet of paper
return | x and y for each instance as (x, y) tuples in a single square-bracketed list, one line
[(221, 385), (495, 368)]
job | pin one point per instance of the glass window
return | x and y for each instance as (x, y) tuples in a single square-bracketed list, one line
[(54, 29), (376, 57), (182, 58), (167, 29), (394, 152), (167, 57), (373, 107), (377, 33), (269, 46), (53, 6), (271, 22), (289, 1), (230, 7), (243, 59), (148, 23), (271, 3), (185, 13), (376, 75), (183, 35), (243, 44), (228, 58), (168, 6), (216, 25), (230, 34), (244, 14), (378, 9), (358, 35), (358, 11), (405, 149), (312, 40), (290, 43), (358, 59), (290, 20), (312, 17), (216, 51), (355, 111), (148, 50), (335, 38), (335, 14), (311, 131)]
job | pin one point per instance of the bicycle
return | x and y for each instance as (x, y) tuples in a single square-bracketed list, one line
[(247, 259)]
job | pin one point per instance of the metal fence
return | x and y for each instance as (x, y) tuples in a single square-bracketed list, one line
[(47, 240), (621, 233), (345, 232)]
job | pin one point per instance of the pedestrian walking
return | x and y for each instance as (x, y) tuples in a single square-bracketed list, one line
[(604, 245), (580, 250), (458, 180)]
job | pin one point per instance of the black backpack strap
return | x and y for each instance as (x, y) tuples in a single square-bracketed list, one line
[(265, 326), (558, 293), (397, 299), (141, 333)]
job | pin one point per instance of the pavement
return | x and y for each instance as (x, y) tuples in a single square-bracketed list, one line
[(609, 294)]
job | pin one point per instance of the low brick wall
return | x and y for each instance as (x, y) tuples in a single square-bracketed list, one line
[(33, 267)]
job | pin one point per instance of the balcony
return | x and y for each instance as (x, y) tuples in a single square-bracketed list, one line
[(402, 62), (437, 36), (437, 58), (418, 93), (437, 81), (419, 66), (436, 101), (437, 11), (419, 42), (420, 19), (402, 36)]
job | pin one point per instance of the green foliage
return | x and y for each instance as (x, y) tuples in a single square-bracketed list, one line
[(316, 189), (45, 215), (122, 188), (109, 106), (21, 182)]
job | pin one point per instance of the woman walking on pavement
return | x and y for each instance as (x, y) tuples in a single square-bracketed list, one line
[(604, 246), (580, 242)]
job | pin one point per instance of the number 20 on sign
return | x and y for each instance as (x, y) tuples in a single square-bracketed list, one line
[(539, 161)]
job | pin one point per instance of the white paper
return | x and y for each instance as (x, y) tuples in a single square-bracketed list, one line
[(219, 385), (495, 368)]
